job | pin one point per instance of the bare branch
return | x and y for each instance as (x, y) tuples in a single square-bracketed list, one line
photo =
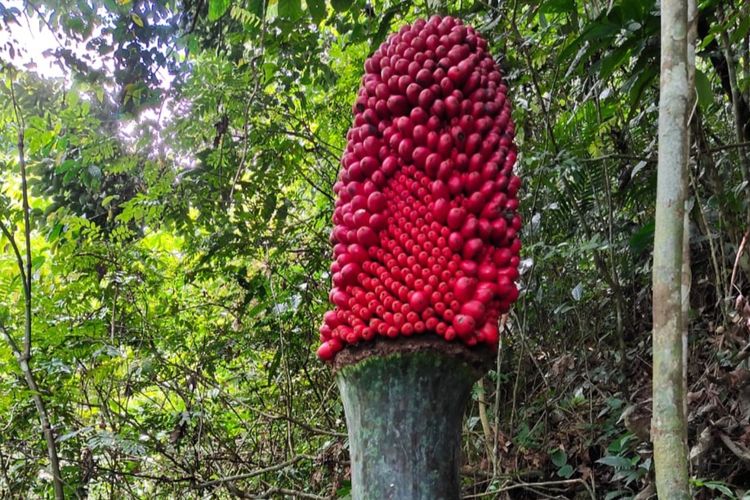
[(257, 472), (273, 492), (524, 485), (16, 251), (12, 343), (739, 451), (26, 221)]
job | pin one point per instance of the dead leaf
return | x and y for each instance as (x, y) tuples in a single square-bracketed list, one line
[(585, 471), (704, 444), (738, 378), (562, 365)]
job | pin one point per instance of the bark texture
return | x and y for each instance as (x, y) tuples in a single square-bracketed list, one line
[(404, 412), (668, 423)]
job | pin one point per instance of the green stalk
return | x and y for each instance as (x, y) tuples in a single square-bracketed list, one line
[(404, 412)]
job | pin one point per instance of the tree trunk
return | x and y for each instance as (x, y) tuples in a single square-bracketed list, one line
[(668, 423), (404, 405), (24, 268)]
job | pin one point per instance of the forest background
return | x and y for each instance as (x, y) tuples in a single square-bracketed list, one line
[(179, 158)]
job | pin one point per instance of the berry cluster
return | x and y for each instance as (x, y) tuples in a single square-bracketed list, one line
[(426, 218)]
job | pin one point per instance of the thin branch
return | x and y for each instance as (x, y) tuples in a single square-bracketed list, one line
[(737, 258), (16, 251), (534, 77), (618, 157), (310, 428), (245, 147), (564, 482), (26, 221), (140, 475), (739, 451), (315, 186), (46, 23), (488, 439), (730, 146), (12, 343), (257, 472), (273, 492)]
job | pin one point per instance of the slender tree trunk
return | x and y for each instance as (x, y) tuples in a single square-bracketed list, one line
[(23, 354), (668, 423)]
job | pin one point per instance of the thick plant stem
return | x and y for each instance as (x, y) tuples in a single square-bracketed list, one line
[(668, 423), (404, 413)]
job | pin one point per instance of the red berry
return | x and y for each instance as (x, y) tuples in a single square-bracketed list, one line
[(464, 288), (473, 308), (325, 351), (464, 325), (376, 202)]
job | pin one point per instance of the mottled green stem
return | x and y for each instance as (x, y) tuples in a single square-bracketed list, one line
[(404, 413)]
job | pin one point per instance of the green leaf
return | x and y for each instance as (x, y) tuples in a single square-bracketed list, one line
[(612, 495), (558, 6), (136, 19), (73, 434), (94, 171), (55, 232), (269, 205), (345, 491), (217, 8), (639, 86), (719, 486), (317, 10), (739, 33), (613, 60), (38, 261), (109, 199), (615, 461), (636, 10), (256, 7), (703, 89), (601, 31), (565, 471), (272, 9), (290, 9), (192, 43), (559, 457), (383, 27), (341, 5), (269, 70), (643, 238)]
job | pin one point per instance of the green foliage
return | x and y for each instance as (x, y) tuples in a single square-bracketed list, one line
[(217, 8), (560, 460), (626, 465), (713, 487)]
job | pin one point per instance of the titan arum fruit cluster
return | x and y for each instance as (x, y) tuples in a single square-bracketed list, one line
[(426, 218)]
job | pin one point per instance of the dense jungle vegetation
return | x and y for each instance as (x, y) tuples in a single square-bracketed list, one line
[(162, 284)]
